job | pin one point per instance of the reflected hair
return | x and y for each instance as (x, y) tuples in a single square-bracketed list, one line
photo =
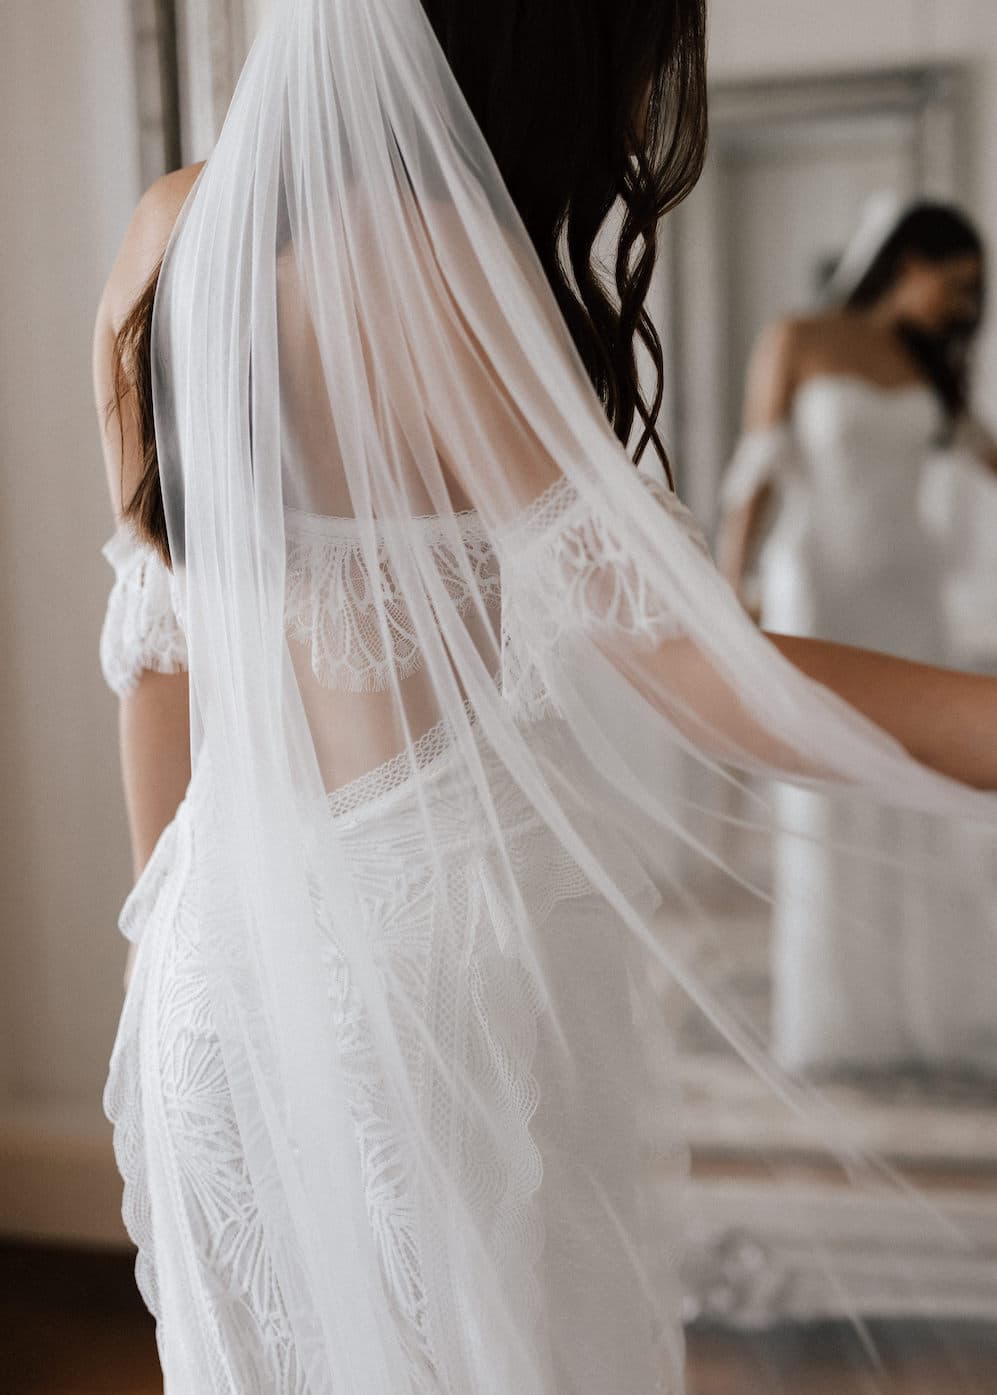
[(935, 233), (585, 108)]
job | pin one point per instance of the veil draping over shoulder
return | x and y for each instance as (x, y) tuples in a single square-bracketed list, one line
[(468, 701)]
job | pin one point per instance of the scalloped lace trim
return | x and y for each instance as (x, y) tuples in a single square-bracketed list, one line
[(334, 604), (460, 958), (560, 549), (141, 630), (357, 626)]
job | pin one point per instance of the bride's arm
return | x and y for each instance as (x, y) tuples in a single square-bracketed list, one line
[(747, 488), (945, 719)]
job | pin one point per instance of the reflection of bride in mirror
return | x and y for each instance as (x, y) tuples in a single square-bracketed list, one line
[(821, 530), (843, 412)]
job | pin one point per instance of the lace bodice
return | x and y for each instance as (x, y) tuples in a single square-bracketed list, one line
[(559, 548), (864, 449)]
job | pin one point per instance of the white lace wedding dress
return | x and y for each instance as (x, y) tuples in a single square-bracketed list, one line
[(478, 999), (848, 558)]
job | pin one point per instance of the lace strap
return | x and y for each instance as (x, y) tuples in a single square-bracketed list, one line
[(141, 630)]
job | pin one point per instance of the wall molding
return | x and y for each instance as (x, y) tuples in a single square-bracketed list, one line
[(759, 1254)]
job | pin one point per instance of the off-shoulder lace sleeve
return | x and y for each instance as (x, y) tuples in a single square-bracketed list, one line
[(565, 568), (141, 630)]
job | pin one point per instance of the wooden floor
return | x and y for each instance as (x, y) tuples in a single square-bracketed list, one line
[(72, 1323)]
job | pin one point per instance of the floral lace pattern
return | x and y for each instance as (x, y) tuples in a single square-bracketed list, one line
[(354, 617), (444, 931), (559, 548), (167, 1035), (444, 934), (356, 623), (141, 630)]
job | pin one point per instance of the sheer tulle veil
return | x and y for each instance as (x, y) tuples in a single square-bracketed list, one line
[(544, 692)]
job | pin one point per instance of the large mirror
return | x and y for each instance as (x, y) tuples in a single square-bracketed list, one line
[(794, 168)]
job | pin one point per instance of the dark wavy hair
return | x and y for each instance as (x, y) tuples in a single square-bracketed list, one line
[(583, 105), (934, 233)]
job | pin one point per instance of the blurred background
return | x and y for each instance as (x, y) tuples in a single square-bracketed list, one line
[(817, 107)]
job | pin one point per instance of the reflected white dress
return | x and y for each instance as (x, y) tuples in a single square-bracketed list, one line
[(167, 1077), (848, 558)]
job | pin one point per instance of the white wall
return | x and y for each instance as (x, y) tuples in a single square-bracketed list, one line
[(70, 154)]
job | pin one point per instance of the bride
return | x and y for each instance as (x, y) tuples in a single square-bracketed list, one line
[(395, 628), (822, 501)]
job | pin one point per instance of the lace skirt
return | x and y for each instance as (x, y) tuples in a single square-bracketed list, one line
[(167, 1090)]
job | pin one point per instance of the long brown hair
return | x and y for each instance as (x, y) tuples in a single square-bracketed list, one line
[(131, 380), (582, 106), (935, 233)]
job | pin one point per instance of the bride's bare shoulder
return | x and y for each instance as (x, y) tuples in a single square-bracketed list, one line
[(775, 368), (795, 334), (788, 348), (145, 241)]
